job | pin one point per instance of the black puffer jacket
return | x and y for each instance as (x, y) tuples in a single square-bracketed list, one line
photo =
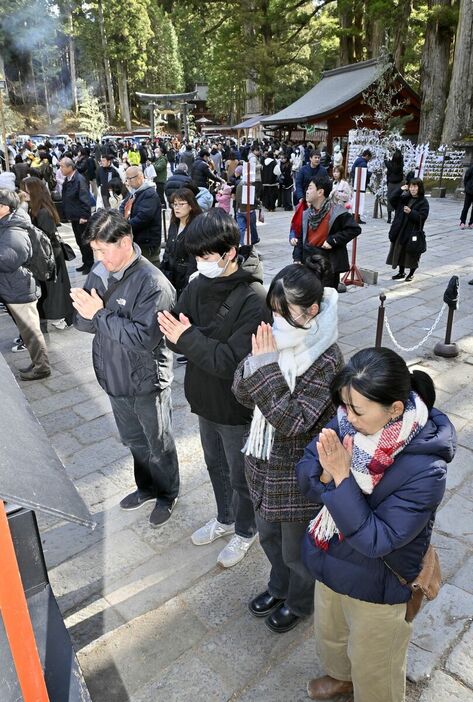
[(201, 173), (129, 352), (17, 284), (213, 350), (178, 181), (177, 264)]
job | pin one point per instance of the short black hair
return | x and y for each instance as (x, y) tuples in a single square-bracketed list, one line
[(382, 376), (203, 153), (322, 182), (108, 226), (367, 152), (214, 231)]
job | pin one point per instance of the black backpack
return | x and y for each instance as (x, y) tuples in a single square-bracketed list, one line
[(42, 263)]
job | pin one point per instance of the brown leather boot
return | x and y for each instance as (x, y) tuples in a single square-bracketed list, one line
[(326, 687)]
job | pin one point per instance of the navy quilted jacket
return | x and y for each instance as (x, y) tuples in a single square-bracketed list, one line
[(392, 525)]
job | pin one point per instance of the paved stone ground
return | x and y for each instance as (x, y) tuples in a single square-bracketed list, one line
[(152, 617)]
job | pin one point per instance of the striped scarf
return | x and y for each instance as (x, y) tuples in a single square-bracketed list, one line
[(372, 456)]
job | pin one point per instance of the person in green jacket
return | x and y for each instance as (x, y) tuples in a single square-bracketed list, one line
[(161, 168)]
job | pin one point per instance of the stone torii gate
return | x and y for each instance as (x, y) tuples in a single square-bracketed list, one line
[(167, 100)]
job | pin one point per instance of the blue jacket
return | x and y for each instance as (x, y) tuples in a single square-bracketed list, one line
[(360, 162), (393, 525), (305, 175)]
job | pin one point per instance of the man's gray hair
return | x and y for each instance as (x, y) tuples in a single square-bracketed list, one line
[(10, 199), (182, 168), (68, 162)]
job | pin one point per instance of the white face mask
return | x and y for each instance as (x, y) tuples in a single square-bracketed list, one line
[(282, 325), (211, 269)]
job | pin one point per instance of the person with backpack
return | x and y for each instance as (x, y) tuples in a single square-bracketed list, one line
[(212, 325), (55, 302), (18, 285)]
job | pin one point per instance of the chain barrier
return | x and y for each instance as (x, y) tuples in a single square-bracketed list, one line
[(429, 333)]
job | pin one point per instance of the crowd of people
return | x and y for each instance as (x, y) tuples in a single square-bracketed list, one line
[(338, 467)]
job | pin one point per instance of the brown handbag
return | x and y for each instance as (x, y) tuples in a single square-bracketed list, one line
[(426, 584)]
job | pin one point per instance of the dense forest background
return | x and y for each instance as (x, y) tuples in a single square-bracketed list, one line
[(64, 56)]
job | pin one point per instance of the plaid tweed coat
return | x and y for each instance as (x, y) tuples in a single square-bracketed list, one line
[(297, 418)]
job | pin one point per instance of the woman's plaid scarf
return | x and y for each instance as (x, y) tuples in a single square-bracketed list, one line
[(372, 456)]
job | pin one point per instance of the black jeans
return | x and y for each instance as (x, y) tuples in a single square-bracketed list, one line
[(144, 425), (222, 445), (289, 579), (86, 251), (466, 206)]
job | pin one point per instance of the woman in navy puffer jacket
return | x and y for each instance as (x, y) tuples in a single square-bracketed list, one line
[(379, 469)]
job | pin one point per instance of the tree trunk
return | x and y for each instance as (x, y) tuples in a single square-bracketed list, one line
[(377, 38), (345, 16), (434, 75), (108, 74), (46, 93), (358, 24), (459, 113), (398, 44), (72, 65), (33, 79), (3, 75), (123, 94)]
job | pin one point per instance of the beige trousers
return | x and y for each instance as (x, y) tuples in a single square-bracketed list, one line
[(26, 318), (362, 642)]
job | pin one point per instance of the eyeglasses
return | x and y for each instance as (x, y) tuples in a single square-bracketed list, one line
[(179, 204), (127, 180)]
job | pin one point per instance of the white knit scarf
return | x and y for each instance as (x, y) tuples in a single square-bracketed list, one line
[(298, 350)]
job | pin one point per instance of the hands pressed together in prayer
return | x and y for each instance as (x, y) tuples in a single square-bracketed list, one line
[(86, 304), (263, 341), (334, 457), (171, 327)]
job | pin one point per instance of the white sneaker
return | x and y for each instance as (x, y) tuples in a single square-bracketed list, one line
[(211, 531), (60, 324), (235, 550)]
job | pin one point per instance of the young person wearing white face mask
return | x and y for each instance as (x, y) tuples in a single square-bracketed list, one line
[(286, 379), (212, 325)]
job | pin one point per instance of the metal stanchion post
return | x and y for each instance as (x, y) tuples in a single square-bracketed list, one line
[(379, 327), (447, 349)]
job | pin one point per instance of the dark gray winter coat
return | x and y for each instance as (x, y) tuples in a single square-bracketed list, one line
[(129, 352), (17, 284)]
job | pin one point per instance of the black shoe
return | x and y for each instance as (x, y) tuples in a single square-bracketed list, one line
[(81, 268), (470, 282), (281, 620), (398, 276), (161, 514), (361, 221), (263, 604), (34, 374), (181, 360), (136, 499), (410, 277)]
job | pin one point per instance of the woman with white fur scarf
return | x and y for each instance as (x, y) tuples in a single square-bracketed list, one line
[(286, 379)]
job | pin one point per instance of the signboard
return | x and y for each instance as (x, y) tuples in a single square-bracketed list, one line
[(297, 135)]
